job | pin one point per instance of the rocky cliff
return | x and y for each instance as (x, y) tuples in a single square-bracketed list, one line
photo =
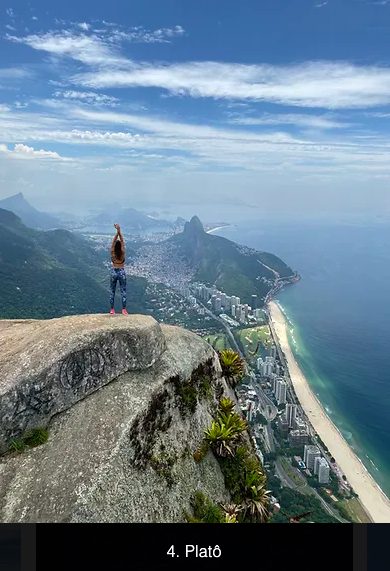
[(126, 401)]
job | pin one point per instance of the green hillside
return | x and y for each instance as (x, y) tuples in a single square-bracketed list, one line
[(233, 268), (55, 273)]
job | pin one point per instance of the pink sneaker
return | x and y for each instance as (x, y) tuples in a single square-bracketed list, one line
[(124, 312), (112, 311)]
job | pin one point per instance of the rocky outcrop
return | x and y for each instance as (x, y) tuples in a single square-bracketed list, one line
[(120, 448), (47, 366)]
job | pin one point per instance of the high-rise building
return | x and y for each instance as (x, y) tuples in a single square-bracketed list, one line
[(238, 301), (280, 392), (246, 309), (298, 438), (264, 369), (254, 302), (316, 464), (310, 454), (259, 363), (273, 351), (291, 411), (192, 300), (277, 369), (213, 298), (223, 299), (270, 368), (249, 411), (233, 310), (323, 471), (282, 426), (218, 306)]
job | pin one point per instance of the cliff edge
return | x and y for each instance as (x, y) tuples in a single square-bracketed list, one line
[(126, 401)]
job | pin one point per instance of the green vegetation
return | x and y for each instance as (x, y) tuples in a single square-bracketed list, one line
[(163, 465), (231, 267), (218, 342), (241, 467), (353, 511), (204, 510), (200, 385), (187, 393), (226, 406), (30, 439), (259, 418), (224, 434), (294, 503), (201, 452), (51, 274), (205, 388), (232, 366), (246, 482), (296, 478), (250, 339)]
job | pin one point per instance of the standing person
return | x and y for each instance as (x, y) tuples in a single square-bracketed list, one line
[(118, 273)]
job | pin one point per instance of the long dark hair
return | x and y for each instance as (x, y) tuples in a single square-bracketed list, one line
[(118, 249)]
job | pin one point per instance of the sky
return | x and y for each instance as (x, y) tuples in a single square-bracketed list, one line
[(280, 105), (10, 547)]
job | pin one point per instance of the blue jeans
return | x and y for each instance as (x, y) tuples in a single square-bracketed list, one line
[(118, 275)]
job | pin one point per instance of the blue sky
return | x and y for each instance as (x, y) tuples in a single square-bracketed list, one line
[(284, 104)]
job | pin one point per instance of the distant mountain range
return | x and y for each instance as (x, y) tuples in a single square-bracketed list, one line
[(235, 269), (55, 273), (29, 215), (128, 218)]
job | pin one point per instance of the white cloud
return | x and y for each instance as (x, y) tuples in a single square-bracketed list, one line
[(308, 121), (34, 18), (24, 152), (90, 50), (321, 4), (96, 49), (87, 97), (312, 84), (84, 26), (10, 12), (10, 27), (141, 35)]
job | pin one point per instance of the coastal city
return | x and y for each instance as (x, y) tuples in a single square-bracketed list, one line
[(292, 454)]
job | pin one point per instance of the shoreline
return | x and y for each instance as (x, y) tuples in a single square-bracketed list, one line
[(215, 229), (375, 502)]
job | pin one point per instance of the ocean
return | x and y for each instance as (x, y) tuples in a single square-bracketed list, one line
[(339, 316)]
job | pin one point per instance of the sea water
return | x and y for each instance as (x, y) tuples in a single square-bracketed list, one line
[(339, 316)]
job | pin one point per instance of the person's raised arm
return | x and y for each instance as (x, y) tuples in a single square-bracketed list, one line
[(121, 239), (115, 238)]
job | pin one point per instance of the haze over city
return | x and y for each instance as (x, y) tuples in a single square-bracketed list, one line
[(281, 105)]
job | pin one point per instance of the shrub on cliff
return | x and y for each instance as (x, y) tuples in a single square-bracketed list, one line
[(232, 366)]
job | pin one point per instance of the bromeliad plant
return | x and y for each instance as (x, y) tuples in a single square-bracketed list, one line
[(256, 497), (221, 438), (232, 366), (226, 405), (233, 421), (224, 434)]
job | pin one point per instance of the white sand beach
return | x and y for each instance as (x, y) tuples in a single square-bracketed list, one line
[(215, 229), (373, 499)]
